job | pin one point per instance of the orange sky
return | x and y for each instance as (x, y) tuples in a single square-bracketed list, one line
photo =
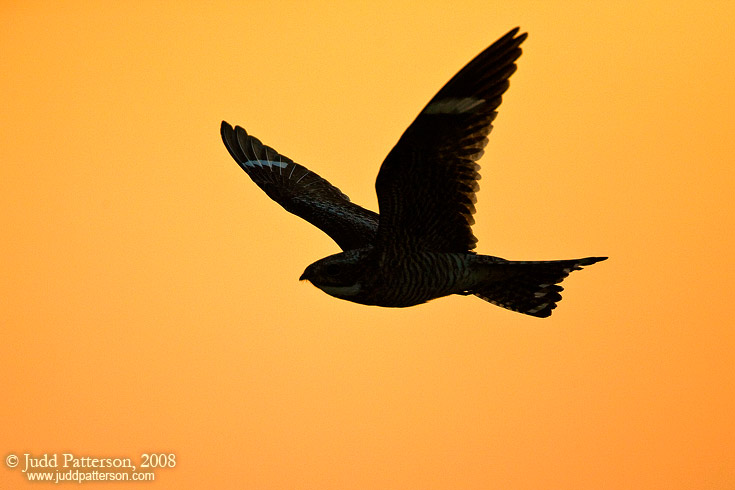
[(149, 292)]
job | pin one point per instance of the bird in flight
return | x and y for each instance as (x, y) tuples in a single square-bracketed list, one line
[(420, 246)]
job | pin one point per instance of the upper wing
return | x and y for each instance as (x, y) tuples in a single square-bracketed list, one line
[(301, 191), (427, 183)]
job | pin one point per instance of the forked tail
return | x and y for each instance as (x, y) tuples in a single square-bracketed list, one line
[(528, 287)]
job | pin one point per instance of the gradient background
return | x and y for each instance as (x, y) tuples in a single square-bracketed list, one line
[(149, 291)]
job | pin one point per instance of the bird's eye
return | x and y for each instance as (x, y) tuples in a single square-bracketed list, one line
[(332, 269)]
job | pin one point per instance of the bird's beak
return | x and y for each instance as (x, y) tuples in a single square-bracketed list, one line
[(303, 277)]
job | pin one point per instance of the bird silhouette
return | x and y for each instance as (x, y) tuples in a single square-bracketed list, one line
[(420, 246)]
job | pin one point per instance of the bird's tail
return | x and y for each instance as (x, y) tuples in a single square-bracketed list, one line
[(527, 287)]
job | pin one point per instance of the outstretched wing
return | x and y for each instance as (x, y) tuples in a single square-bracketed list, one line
[(301, 191), (426, 186)]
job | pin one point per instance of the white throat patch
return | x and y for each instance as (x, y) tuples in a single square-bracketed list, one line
[(342, 290)]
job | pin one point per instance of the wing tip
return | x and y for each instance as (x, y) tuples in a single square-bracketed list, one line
[(513, 34)]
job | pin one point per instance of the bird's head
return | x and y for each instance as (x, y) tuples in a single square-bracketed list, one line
[(340, 275)]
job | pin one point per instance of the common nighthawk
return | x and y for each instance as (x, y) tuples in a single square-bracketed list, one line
[(420, 245)]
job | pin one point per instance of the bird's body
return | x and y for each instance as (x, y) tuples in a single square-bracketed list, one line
[(420, 245), (395, 280), (370, 277)]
